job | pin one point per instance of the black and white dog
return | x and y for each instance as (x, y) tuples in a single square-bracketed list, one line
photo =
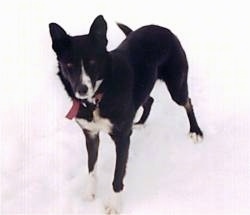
[(107, 88)]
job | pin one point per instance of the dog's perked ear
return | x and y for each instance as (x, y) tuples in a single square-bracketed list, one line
[(98, 31), (60, 39)]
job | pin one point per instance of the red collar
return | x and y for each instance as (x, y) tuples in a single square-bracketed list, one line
[(98, 98)]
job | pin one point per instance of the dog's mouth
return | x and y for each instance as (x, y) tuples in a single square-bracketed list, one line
[(80, 97), (85, 99), (88, 95), (90, 98), (96, 99)]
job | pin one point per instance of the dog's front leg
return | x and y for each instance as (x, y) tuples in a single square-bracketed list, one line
[(92, 144), (122, 142)]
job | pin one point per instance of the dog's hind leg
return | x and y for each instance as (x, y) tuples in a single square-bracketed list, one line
[(92, 144), (195, 132), (146, 110), (180, 96), (175, 78)]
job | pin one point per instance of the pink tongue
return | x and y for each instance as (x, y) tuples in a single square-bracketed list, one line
[(74, 109)]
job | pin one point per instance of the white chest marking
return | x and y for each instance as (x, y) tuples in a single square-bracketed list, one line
[(97, 124)]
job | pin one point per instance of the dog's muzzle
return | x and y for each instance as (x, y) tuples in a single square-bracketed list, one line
[(81, 92)]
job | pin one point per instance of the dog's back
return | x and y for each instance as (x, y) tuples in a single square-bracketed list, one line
[(153, 48)]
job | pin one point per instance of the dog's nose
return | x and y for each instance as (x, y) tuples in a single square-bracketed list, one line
[(82, 89)]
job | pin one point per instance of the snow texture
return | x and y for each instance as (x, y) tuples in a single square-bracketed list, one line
[(43, 156)]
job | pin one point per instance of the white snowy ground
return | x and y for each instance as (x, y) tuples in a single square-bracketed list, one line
[(43, 156)]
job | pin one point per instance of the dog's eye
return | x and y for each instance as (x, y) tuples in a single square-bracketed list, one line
[(91, 62), (69, 65)]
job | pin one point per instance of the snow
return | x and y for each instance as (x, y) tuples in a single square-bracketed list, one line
[(43, 155)]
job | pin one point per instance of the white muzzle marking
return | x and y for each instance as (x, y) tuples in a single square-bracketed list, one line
[(85, 80)]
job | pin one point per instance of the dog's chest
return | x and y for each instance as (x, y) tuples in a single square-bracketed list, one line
[(97, 124)]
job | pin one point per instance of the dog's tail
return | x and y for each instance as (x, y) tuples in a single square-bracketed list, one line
[(125, 29)]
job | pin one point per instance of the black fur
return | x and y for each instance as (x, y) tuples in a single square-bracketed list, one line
[(129, 73)]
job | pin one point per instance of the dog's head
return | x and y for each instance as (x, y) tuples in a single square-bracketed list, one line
[(81, 59)]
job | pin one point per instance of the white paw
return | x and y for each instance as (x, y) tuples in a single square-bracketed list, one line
[(110, 210), (90, 188), (89, 197), (195, 137), (139, 126), (113, 205)]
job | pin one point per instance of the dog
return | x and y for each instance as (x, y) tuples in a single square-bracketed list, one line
[(107, 88)]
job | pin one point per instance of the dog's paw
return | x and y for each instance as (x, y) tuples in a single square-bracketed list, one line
[(90, 189), (197, 138), (138, 126), (109, 210), (113, 204), (89, 197)]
